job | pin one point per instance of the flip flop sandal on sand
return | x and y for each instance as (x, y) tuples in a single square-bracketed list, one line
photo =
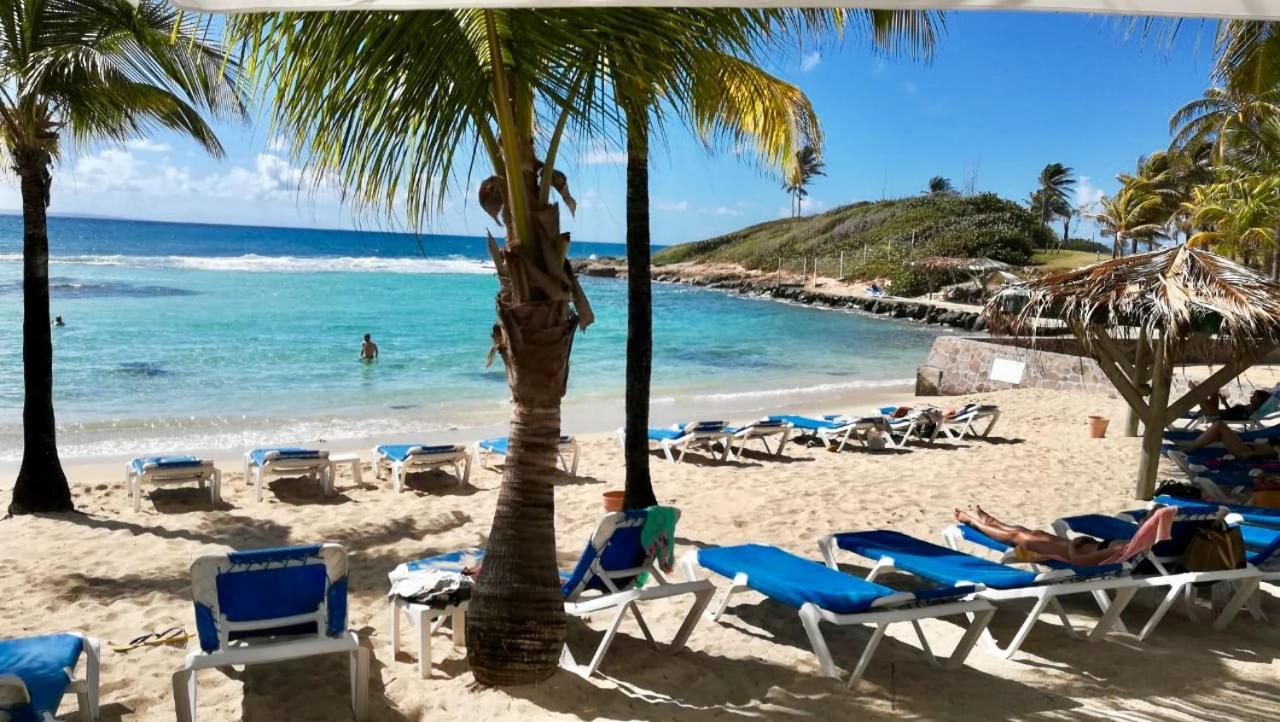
[(172, 636)]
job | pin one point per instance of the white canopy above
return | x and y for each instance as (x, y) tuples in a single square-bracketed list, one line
[(1235, 9)]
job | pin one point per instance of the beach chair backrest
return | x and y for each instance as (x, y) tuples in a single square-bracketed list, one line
[(1185, 525), (296, 590), (614, 556), (704, 426)]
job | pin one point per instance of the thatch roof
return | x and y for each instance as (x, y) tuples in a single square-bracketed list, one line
[(1172, 292)]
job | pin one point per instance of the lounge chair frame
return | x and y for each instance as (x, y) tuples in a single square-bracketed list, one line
[(568, 452), (276, 465), (754, 431), (418, 461), (902, 607), (203, 474), (675, 449), (84, 686), (967, 424)]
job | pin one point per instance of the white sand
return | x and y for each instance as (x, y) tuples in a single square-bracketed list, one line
[(115, 574)]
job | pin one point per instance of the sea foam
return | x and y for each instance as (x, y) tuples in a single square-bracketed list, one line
[(253, 263)]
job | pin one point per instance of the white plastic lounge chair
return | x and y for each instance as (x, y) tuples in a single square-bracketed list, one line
[(761, 430), (824, 595), (36, 672), (964, 422), (271, 605), (996, 583), (400, 460), (679, 438), (287, 462), (835, 431), (171, 471), (604, 580), (567, 451), (924, 424)]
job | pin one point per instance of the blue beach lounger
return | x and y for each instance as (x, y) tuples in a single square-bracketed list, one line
[(836, 431), (762, 430), (949, 567), (171, 471), (1254, 515), (400, 460), (605, 579), (682, 437), (567, 452), (826, 595), (271, 605), (286, 462), (36, 672), (916, 424)]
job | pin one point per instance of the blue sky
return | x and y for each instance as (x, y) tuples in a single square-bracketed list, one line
[(1006, 93)]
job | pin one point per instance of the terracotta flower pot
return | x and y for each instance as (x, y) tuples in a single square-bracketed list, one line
[(613, 500), (1098, 426)]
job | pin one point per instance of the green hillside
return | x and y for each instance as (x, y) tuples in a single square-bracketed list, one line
[(880, 238)]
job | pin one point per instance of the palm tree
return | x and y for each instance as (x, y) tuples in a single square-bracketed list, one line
[(87, 69), (1238, 217), (1131, 214), (940, 186), (806, 165), (1052, 199), (388, 104), (1224, 116)]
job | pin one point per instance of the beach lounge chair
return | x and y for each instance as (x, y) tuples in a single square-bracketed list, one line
[(824, 595), (762, 430), (1160, 567), (996, 583), (964, 421), (835, 431), (567, 452), (287, 462), (924, 424), (1254, 515), (36, 672), (679, 438), (605, 580), (271, 605), (400, 460), (171, 471)]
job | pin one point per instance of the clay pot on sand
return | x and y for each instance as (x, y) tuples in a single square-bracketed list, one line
[(1098, 427), (613, 500)]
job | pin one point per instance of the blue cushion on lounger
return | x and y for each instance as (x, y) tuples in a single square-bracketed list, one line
[(934, 562), (1251, 514), (664, 434), (806, 423), (165, 462), (499, 446), (259, 456), (975, 536), (41, 663), (401, 452), (793, 580)]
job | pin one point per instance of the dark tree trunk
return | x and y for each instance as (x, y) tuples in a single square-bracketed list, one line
[(41, 485), (1133, 246), (639, 488)]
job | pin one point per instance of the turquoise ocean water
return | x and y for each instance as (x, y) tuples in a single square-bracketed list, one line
[(206, 337)]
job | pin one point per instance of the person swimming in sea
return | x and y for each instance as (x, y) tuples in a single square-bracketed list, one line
[(368, 349), (57, 321)]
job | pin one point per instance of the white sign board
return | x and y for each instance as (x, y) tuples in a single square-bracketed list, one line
[(1007, 370)]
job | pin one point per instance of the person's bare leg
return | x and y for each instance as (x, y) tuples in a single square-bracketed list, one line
[(1220, 432), (1009, 534)]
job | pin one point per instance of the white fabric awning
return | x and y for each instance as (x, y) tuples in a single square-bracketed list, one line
[(1235, 9)]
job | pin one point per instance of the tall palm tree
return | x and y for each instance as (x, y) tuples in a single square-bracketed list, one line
[(940, 186), (1053, 198), (87, 70), (1132, 214), (806, 165), (1224, 116), (388, 105), (1238, 217)]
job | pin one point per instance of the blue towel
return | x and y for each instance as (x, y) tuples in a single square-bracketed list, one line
[(933, 562), (165, 462), (41, 664), (259, 456)]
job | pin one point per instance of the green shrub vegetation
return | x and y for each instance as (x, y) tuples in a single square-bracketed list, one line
[(892, 232)]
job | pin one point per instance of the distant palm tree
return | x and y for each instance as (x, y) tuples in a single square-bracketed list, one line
[(89, 70), (940, 186), (1132, 214), (1053, 198), (805, 166), (1239, 217)]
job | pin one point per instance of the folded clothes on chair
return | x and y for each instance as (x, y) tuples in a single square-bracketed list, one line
[(436, 588)]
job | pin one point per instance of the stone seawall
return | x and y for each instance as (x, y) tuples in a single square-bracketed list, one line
[(966, 364)]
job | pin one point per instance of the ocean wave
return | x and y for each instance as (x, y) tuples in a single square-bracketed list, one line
[(801, 390), (254, 263)]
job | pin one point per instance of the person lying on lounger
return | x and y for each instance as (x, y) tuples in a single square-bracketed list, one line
[(1033, 545), (1220, 432), (1215, 407)]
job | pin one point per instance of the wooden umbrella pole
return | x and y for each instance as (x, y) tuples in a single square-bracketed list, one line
[(1157, 409), (1142, 374)]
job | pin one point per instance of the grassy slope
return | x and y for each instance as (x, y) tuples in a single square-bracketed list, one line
[(893, 233), (1065, 260)]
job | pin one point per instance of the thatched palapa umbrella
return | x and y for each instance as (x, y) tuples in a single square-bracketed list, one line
[(1165, 301)]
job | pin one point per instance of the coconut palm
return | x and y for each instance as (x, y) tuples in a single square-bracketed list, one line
[(1238, 217), (806, 165), (1132, 214), (388, 105), (1053, 198), (940, 186), (84, 70), (1224, 116)]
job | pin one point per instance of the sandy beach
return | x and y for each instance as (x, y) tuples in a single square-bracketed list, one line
[(115, 574)]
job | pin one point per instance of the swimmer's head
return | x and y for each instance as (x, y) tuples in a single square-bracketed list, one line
[(368, 337)]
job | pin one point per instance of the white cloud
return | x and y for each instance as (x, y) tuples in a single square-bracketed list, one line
[(146, 145), (721, 211), (671, 206), (810, 61), (113, 170), (605, 157), (1088, 196), (110, 169), (278, 144), (807, 206)]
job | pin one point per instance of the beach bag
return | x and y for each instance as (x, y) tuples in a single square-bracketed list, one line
[(1214, 548), (1179, 490), (1266, 492)]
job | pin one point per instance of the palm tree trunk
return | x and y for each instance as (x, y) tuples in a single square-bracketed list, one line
[(1133, 246), (41, 485), (639, 487)]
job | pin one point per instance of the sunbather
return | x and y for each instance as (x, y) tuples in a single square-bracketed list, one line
[(1215, 407), (1033, 545), (1220, 432)]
